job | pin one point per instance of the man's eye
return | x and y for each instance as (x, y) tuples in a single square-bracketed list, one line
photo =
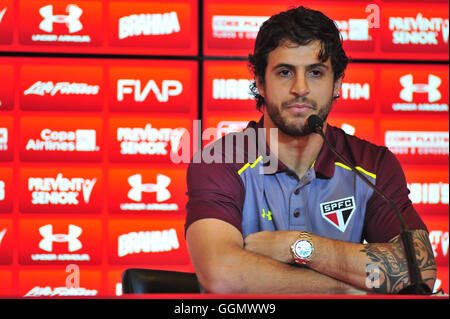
[(285, 73), (316, 73)]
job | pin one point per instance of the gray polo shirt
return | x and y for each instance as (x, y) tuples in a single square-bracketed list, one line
[(329, 200)]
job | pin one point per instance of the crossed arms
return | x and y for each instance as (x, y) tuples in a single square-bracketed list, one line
[(225, 262)]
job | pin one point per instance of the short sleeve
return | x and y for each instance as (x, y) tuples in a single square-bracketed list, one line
[(214, 190), (381, 222)]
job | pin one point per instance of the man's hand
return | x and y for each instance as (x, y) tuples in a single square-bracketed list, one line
[(273, 244)]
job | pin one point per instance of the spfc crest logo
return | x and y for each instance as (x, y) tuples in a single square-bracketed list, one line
[(338, 212)]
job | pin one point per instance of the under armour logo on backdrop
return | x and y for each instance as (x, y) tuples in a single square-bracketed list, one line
[(138, 188), (71, 238), (431, 88), (71, 20)]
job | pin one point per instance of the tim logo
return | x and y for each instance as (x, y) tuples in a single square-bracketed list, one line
[(338, 212)]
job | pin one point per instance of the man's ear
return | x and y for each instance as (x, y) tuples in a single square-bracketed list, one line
[(337, 86), (260, 86)]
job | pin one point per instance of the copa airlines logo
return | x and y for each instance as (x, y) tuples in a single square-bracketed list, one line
[(416, 142), (419, 30), (145, 242), (148, 24), (48, 291), (81, 140), (63, 88), (71, 19), (236, 27), (60, 190), (354, 29), (134, 87), (231, 89), (149, 140)]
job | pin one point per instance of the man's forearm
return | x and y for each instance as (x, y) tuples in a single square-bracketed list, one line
[(380, 267)]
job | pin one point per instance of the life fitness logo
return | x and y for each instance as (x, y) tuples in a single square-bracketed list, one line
[(59, 241), (151, 89), (61, 88), (147, 191), (61, 23), (421, 30), (150, 24), (60, 139), (60, 190), (147, 140), (160, 241), (419, 90)]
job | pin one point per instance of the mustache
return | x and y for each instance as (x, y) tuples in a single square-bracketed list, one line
[(299, 100)]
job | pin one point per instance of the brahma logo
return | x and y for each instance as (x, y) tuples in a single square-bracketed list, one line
[(231, 89), (419, 30), (80, 140), (415, 142), (149, 140), (148, 242), (236, 27), (63, 88), (133, 86), (148, 24), (60, 190)]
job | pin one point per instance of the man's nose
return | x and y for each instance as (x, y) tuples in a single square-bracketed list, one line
[(300, 86)]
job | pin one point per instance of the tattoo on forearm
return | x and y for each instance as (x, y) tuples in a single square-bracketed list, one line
[(392, 263)]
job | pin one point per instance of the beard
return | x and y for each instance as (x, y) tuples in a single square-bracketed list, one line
[(295, 126)]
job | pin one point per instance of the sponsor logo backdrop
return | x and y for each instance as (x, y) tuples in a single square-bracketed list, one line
[(98, 99)]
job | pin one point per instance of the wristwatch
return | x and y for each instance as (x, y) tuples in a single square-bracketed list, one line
[(303, 248)]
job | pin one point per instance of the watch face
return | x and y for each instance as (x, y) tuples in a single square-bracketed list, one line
[(303, 248)]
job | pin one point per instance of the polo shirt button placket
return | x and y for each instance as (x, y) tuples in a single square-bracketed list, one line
[(296, 213)]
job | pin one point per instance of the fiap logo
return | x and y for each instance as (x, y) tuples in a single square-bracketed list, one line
[(59, 241), (61, 23), (151, 89), (60, 139), (60, 190)]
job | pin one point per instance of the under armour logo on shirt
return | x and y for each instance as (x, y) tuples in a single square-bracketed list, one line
[(431, 88), (138, 188), (71, 20), (71, 238)]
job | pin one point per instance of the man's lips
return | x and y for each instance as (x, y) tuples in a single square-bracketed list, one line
[(299, 106)]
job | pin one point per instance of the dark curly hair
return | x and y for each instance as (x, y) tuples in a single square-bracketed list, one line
[(300, 25)]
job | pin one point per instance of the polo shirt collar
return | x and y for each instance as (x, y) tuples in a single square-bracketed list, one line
[(324, 164)]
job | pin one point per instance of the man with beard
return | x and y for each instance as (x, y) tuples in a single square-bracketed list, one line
[(301, 227)]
